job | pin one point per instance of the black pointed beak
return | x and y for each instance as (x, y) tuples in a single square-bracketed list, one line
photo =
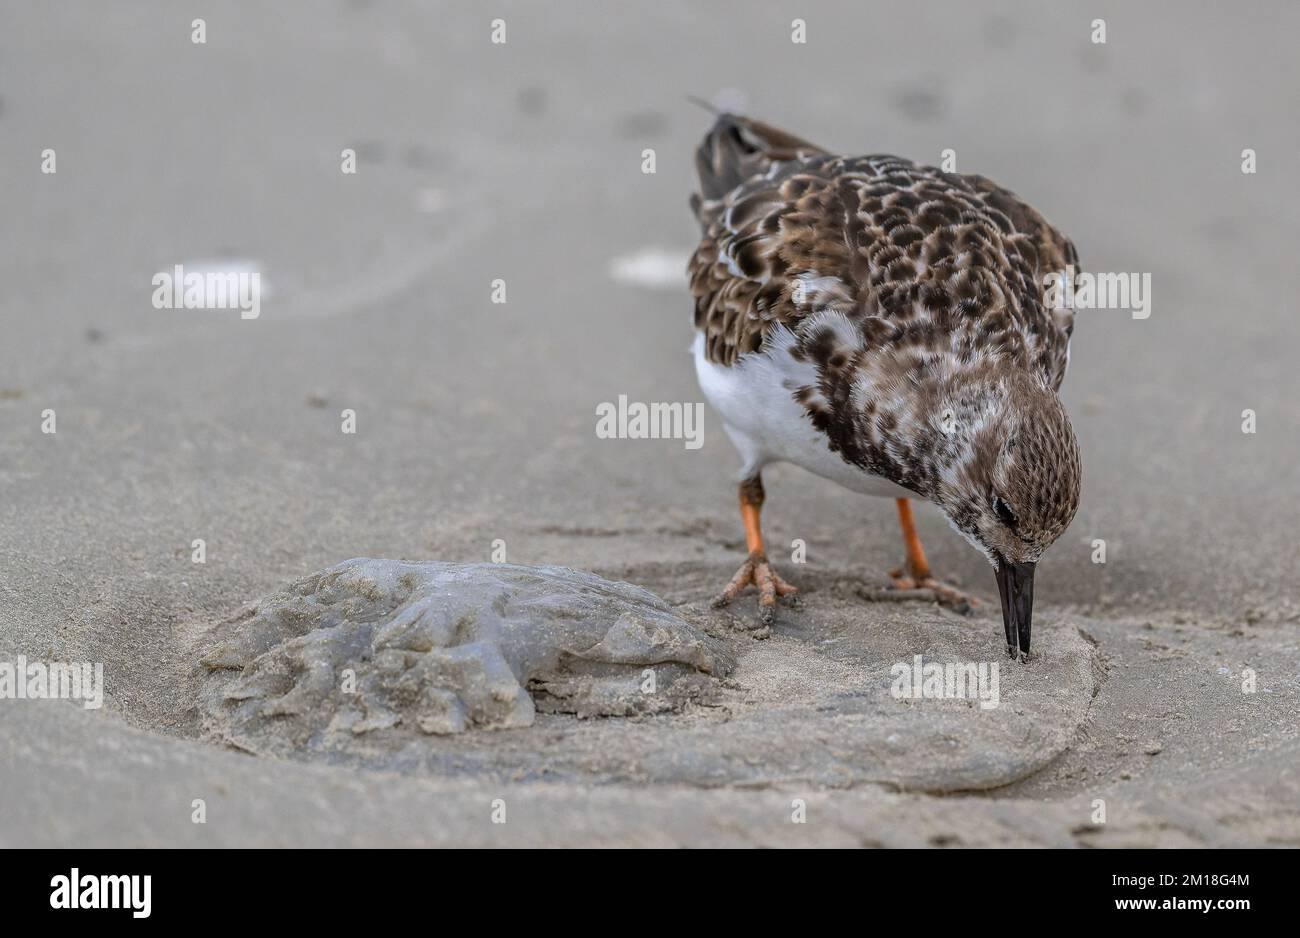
[(1016, 590)]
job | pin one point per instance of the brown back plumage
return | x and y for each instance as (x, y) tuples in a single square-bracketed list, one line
[(789, 229)]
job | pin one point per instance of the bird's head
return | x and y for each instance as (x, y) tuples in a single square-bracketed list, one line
[(1011, 483)]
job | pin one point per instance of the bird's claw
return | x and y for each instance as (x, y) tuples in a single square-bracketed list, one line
[(944, 595), (757, 571)]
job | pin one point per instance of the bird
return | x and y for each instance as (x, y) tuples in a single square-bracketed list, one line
[(886, 325)]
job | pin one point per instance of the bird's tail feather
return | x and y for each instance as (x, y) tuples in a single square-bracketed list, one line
[(736, 148)]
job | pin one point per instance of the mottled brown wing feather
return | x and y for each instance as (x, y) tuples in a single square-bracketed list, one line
[(875, 237), (744, 272), (1055, 253)]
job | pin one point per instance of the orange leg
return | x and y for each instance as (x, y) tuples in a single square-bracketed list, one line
[(917, 567), (915, 573), (755, 569)]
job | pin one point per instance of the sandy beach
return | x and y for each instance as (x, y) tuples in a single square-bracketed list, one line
[(1168, 685)]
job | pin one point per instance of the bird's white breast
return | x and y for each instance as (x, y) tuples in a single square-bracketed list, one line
[(766, 424)]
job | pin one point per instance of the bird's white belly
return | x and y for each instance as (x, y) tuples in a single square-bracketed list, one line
[(766, 424)]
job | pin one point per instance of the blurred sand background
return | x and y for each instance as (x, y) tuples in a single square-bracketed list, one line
[(476, 420)]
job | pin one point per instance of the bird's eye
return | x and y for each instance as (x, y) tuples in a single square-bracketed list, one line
[(1004, 512)]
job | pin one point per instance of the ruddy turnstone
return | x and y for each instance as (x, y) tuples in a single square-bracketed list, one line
[(883, 325)]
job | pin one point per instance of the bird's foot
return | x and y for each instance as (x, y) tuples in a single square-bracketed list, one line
[(945, 595), (757, 571)]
